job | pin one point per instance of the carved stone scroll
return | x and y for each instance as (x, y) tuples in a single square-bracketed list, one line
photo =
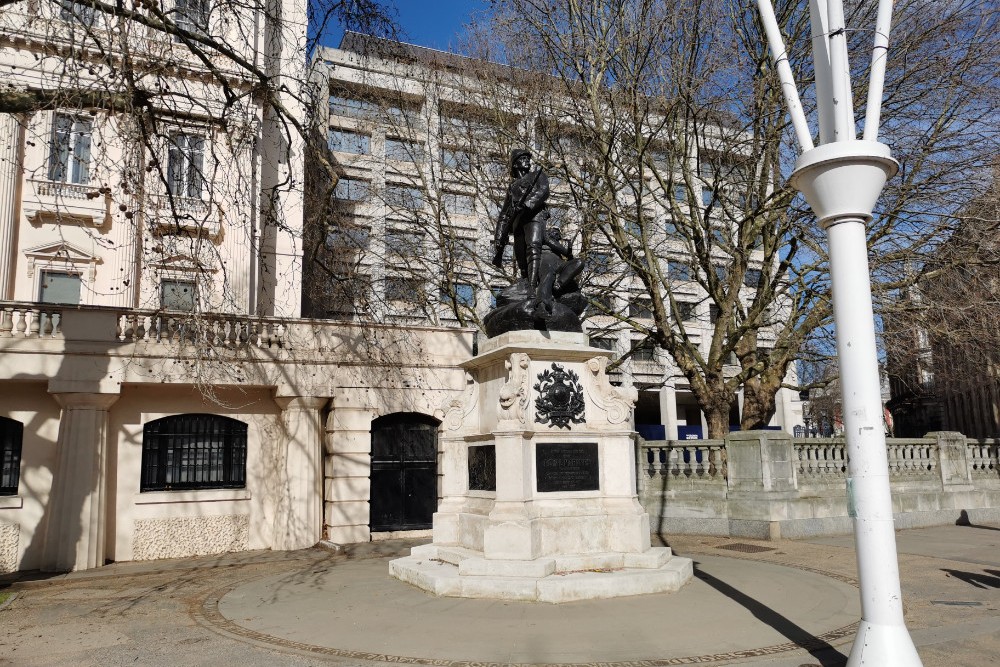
[(618, 402), (514, 393), (455, 410)]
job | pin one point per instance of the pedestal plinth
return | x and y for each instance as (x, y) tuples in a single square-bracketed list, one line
[(538, 482)]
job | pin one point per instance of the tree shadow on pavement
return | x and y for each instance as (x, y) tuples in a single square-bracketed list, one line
[(823, 652), (986, 579), (963, 520)]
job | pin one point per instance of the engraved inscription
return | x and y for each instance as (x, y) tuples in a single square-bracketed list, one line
[(567, 466)]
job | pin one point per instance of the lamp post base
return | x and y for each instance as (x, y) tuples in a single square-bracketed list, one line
[(883, 646)]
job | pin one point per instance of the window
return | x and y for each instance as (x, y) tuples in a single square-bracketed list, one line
[(721, 272), (185, 160), (60, 287), (458, 204), (464, 295), (342, 105), (678, 271), (599, 262), (193, 451), (406, 244), (350, 189), (751, 277), (603, 343), (680, 194), (453, 158), (11, 434), (191, 15), (404, 197), (69, 158), (177, 295), (409, 290), (77, 12), (713, 313), (640, 308), (670, 228), (403, 151), (356, 238), (707, 196), (349, 142), (686, 311), (643, 350), (602, 304)]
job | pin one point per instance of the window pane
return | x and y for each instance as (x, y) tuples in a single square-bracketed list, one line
[(60, 287), (408, 151), (185, 161), (349, 142), (177, 295), (11, 434), (348, 189), (194, 451)]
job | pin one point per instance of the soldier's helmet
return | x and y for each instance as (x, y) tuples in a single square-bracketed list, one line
[(514, 155)]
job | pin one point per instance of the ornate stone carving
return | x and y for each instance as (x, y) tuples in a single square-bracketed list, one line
[(616, 401), (560, 398), (454, 410), (514, 392)]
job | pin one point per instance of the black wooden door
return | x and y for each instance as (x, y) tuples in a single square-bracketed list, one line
[(404, 472)]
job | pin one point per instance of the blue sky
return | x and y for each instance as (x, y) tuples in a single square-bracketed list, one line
[(432, 23)]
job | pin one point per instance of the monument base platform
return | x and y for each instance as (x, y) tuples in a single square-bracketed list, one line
[(458, 572)]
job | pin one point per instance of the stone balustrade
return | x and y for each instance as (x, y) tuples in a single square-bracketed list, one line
[(32, 320), (765, 484), (211, 330)]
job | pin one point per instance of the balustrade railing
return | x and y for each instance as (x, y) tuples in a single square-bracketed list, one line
[(821, 458), (690, 459), (30, 321), (912, 458), (210, 330), (983, 458)]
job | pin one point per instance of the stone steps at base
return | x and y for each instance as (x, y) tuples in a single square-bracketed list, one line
[(444, 579)]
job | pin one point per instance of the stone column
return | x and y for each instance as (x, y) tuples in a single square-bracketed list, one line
[(10, 215), (76, 513), (298, 519), (668, 409)]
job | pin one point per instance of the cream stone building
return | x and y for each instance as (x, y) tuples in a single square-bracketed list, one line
[(160, 395)]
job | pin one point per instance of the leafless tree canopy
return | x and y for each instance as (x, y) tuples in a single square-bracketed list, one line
[(664, 128)]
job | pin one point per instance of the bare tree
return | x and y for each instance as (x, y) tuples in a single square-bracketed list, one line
[(667, 125)]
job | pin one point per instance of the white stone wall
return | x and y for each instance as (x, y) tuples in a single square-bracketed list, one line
[(9, 547), (196, 536)]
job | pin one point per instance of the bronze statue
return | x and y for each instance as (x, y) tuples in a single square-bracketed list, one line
[(519, 216), (547, 297)]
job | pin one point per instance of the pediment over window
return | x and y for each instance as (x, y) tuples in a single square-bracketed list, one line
[(62, 254)]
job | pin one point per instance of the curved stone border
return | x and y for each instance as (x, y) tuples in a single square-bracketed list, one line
[(208, 615)]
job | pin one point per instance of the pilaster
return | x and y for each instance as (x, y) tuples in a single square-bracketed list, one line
[(76, 514), (298, 520)]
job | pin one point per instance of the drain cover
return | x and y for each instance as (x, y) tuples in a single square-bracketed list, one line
[(957, 603), (742, 547)]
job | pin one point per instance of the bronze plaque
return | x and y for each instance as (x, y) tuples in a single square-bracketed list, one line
[(483, 468), (567, 466)]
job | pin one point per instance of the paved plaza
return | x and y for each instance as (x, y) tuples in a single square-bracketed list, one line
[(783, 604)]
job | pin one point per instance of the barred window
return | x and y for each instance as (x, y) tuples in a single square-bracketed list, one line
[(11, 433), (193, 451)]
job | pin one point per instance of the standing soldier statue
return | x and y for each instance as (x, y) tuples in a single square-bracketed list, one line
[(526, 197)]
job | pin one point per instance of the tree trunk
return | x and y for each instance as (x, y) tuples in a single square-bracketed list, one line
[(759, 404), (717, 417)]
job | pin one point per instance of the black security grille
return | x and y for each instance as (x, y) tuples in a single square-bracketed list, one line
[(194, 451), (11, 433)]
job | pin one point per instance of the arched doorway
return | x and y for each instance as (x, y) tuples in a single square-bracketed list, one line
[(403, 472)]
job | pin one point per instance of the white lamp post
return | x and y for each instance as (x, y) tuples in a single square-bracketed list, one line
[(842, 178)]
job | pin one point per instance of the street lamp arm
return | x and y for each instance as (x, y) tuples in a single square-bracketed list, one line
[(880, 55), (780, 57)]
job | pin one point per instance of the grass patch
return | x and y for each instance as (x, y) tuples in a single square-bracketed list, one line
[(4, 597)]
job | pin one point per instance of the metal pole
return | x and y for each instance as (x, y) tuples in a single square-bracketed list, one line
[(880, 54), (780, 58)]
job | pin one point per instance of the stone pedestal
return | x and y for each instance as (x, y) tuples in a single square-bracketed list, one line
[(538, 488)]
